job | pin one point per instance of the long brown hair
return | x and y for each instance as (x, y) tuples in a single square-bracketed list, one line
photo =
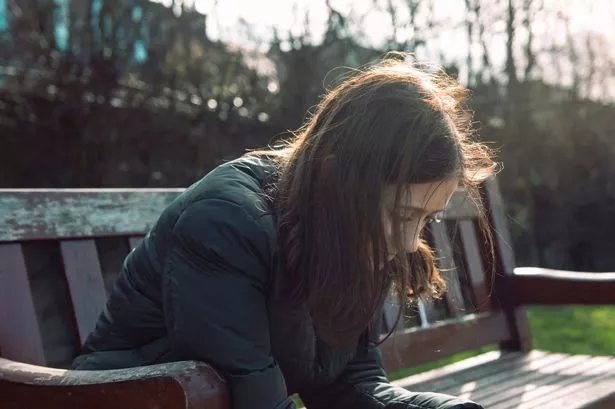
[(388, 124)]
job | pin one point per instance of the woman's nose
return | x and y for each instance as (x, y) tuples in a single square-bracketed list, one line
[(412, 240)]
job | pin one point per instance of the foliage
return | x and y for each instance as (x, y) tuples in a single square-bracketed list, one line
[(132, 93)]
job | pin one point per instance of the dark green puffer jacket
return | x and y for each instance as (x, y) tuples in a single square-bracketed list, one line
[(199, 287)]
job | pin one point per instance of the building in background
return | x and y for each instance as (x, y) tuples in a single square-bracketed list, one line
[(3, 15), (130, 30)]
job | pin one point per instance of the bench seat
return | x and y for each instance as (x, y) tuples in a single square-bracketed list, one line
[(533, 380)]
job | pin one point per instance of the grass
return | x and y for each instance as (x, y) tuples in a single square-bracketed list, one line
[(574, 330)]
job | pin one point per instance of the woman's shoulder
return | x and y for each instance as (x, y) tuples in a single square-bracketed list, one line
[(240, 182), (229, 202), (224, 213)]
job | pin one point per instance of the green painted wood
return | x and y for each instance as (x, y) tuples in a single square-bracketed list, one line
[(30, 214)]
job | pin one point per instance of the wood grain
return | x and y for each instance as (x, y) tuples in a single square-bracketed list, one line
[(20, 338), (32, 214), (416, 346), (85, 282), (474, 266), (499, 380), (177, 385)]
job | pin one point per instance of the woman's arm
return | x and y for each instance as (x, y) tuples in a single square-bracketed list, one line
[(214, 298), (364, 385)]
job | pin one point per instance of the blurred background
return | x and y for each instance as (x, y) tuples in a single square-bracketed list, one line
[(137, 93)]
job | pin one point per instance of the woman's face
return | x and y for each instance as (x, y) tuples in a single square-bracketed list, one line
[(419, 203)]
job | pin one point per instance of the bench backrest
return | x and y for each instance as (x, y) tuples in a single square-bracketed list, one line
[(476, 310), (61, 250)]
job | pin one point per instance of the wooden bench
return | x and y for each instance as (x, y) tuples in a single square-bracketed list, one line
[(60, 251)]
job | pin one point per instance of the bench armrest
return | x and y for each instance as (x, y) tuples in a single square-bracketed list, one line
[(185, 385), (542, 286)]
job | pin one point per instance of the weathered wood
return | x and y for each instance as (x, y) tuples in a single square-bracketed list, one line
[(73, 213), (563, 380), (51, 296), (390, 313), (524, 380), (521, 338), (497, 385), (540, 286), (178, 385), (474, 266), (427, 312), (449, 272), (592, 397), (499, 380), (454, 375), (419, 345), (497, 216), (85, 282), (20, 338)]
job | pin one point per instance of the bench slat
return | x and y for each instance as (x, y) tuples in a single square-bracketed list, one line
[(597, 393), (427, 312), (524, 380), (419, 345), (493, 382), (474, 266), (444, 250), (578, 373), (30, 214), (85, 281), (34, 214), (390, 313), (20, 338), (505, 263), (453, 381), (541, 286)]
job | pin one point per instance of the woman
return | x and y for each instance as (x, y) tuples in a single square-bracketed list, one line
[(274, 267)]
